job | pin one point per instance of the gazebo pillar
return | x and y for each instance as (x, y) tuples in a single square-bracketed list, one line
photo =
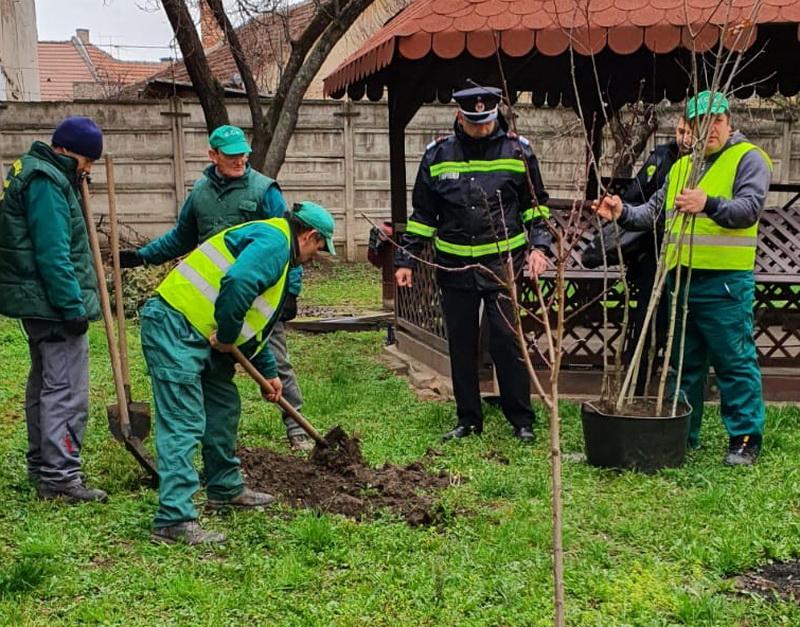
[(402, 107)]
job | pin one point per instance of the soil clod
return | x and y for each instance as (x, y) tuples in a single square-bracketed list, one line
[(337, 480), (780, 580)]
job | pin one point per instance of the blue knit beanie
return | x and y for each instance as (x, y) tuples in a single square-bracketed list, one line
[(79, 135)]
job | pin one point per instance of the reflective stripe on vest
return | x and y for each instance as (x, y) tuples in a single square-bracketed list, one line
[(495, 165), (706, 245), (193, 287), (418, 228), (541, 211), (480, 250)]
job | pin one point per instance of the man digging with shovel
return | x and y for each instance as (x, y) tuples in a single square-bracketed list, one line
[(230, 192), (227, 293)]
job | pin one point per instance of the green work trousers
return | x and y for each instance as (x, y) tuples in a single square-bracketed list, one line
[(719, 332), (196, 402)]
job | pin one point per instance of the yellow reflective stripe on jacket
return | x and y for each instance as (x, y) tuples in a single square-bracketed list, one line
[(541, 211), (192, 288), (706, 244), (418, 228), (480, 250), (495, 165)]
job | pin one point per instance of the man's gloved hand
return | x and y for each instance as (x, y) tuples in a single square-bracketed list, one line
[(130, 259), (289, 311), (76, 326)]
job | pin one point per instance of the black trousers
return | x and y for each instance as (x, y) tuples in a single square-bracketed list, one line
[(461, 310)]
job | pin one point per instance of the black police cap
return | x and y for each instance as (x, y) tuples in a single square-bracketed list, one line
[(467, 99)]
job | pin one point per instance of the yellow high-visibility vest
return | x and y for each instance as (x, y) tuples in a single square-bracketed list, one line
[(193, 286), (706, 245)]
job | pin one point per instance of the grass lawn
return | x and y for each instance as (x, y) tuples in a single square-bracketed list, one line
[(640, 550)]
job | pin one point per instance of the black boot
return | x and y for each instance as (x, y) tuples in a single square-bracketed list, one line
[(743, 450), (524, 434), (461, 431)]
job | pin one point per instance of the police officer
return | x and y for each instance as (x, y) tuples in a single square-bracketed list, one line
[(724, 208), (230, 192), (478, 196)]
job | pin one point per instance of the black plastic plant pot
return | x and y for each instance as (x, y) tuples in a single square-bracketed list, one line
[(633, 441)]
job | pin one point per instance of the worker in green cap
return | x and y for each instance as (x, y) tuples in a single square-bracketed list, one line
[(228, 292), (720, 217), (230, 192)]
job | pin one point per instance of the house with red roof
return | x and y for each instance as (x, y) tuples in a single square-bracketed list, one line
[(78, 69)]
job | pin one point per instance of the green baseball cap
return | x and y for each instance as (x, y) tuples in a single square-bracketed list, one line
[(229, 140), (702, 104), (317, 218)]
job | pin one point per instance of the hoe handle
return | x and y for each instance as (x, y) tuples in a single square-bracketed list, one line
[(282, 403)]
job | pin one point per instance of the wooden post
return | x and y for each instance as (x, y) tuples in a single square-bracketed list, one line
[(176, 116), (402, 107), (349, 181)]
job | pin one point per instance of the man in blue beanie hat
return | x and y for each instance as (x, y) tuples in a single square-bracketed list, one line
[(45, 259)]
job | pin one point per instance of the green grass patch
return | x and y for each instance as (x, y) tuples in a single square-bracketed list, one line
[(640, 550)]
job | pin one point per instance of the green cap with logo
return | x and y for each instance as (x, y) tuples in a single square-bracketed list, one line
[(703, 104), (318, 218), (229, 140)]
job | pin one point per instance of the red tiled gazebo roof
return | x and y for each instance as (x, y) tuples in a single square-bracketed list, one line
[(446, 29)]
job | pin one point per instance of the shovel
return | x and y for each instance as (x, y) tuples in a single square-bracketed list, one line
[(138, 413), (132, 443), (283, 403)]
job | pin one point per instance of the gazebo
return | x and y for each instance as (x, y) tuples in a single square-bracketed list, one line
[(610, 52)]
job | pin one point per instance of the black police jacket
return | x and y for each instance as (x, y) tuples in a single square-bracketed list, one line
[(473, 198)]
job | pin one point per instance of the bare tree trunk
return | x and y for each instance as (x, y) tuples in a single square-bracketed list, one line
[(253, 100), (206, 86)]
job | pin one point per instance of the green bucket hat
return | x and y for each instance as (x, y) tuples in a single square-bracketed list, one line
[(229, 140), (318, 218), (702, 104)]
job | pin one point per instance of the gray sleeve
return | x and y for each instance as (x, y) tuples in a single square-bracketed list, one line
[(643, 217), (750, 189)]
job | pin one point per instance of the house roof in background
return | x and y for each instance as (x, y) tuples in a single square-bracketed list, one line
[(62, 64)]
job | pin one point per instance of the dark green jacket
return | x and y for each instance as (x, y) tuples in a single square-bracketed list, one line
[(46, 266), (215, 204)]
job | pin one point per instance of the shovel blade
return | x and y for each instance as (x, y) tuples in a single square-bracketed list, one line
[(139, 416)]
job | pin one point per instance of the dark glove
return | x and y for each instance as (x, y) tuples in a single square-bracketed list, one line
[(130, 259), (77, 326), (289, 311)]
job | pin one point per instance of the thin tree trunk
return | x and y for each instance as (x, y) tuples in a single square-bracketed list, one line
[(253, 99), (206, 86)]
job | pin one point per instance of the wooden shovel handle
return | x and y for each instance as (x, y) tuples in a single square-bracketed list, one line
[(122, 336), (105, 305), (283, 403)]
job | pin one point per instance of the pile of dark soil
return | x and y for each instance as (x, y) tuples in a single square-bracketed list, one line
[(780, 580), (337, 480)]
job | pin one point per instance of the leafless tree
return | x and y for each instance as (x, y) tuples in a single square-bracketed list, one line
[(298, 55)]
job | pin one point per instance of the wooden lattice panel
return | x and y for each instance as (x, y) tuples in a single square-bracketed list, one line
[(776, 309), (421, 305)]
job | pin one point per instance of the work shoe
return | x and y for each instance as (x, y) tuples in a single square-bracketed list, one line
[(189, 532), (461, 431), (77, 493), (300, 442), (247, 498), (524, 435), (743, 450)]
